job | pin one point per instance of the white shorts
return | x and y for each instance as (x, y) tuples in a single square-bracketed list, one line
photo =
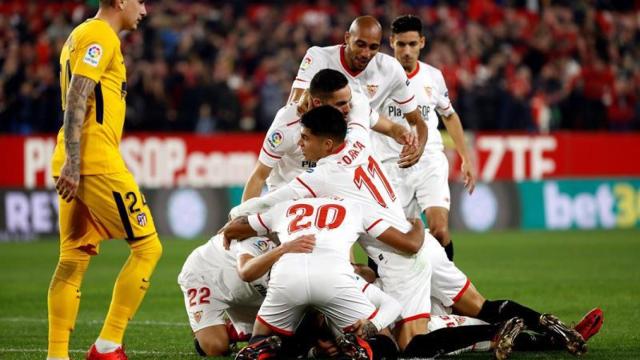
[(301, 282), (206, 302), (408, 280), (423, 185), (448, 283)]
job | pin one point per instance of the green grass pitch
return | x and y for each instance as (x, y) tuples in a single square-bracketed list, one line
[(566, 273)]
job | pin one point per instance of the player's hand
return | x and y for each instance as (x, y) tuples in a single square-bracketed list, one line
[(327, 347), (301, 244), (69, 180), (408, 138), (364, 328), (410, 155), (304, 103), (469, 176)]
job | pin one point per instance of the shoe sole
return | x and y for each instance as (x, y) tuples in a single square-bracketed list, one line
[(506, 338), (574, 342)]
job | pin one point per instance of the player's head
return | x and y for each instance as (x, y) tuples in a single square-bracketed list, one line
[(362, 42), (331, 87), (323, 132), (130, 12), (407, 40)]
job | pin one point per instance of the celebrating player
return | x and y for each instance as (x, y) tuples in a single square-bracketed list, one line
[(376, 75), (424, 187), (98, 197)]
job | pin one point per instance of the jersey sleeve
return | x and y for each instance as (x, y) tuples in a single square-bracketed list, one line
[(279, 140), (401, 92), (443, 107), (94, 51), (310, 183), (312, 62), (388, 308), (373, 224)]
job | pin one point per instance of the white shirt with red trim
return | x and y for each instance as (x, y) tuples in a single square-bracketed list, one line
[(280, 150), (336, 224), (388, 308), (383, 79), (432, 96), (351, 173)]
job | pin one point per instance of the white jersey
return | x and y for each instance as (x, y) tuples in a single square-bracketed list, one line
[(336, 224), (213, 258), (383, 78), (280, 150), (432, 96)]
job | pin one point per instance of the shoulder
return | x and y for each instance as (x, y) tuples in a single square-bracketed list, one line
[(389, 63), (433, 72)]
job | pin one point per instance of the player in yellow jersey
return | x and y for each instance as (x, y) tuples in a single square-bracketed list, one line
[(99, 199)]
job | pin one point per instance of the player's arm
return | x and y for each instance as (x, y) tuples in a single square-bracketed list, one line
[(256, 181), (251, 268), (397, 132), (295, 95), (454, 128), (237, 229), (388, 311), (411, 242), (75, 109), (411, 154)]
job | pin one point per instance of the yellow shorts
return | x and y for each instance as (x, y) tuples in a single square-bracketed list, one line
[(107, 206)]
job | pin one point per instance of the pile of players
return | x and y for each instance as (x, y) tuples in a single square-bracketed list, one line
[(282, 270)]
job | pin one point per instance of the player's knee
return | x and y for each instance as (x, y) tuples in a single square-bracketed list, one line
[(149, 248), (211, 346), (71, 270)]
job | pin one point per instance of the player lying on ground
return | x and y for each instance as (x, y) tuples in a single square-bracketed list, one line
[(323, 279)]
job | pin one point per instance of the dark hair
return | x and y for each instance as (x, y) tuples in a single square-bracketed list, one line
[(326, 82), (325, 121), (406, 23)]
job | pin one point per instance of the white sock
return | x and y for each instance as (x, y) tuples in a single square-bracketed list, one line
[(106, 346)]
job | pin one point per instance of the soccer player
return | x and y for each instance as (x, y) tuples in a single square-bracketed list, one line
[(99, 199), (376, 75), (424, 187), (324, 278), (281, 159), (347, 169), (216, 281)]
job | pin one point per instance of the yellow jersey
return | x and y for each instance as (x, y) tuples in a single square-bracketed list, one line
[(93, 50)]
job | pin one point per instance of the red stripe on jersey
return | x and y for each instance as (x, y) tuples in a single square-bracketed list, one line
[(373, 314), (274, 328), (374, 224), (415, 71), (293, 122), (273, 156), (343, 61), (462, 291), (365, 287), (448, 106), (404, 102), (412, 318), (307, 186), (303, 80), (339, 148), (262, 222)]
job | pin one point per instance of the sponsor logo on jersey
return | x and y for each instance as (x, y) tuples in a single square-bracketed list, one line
[(371, 90), (275, 139), (428, 90), (197, 316), (142, 219), (306, 63), (309, 163), (446, 94), (408, 82), (93, 55)]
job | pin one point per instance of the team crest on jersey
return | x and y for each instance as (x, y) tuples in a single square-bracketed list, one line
[(263, 245), (275, 139), (197, 316), (428, 90), (142, 219), (306, 63), (371, 90), (93, 55)]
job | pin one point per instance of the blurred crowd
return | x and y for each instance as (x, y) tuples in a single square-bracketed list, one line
[(209, 66)]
